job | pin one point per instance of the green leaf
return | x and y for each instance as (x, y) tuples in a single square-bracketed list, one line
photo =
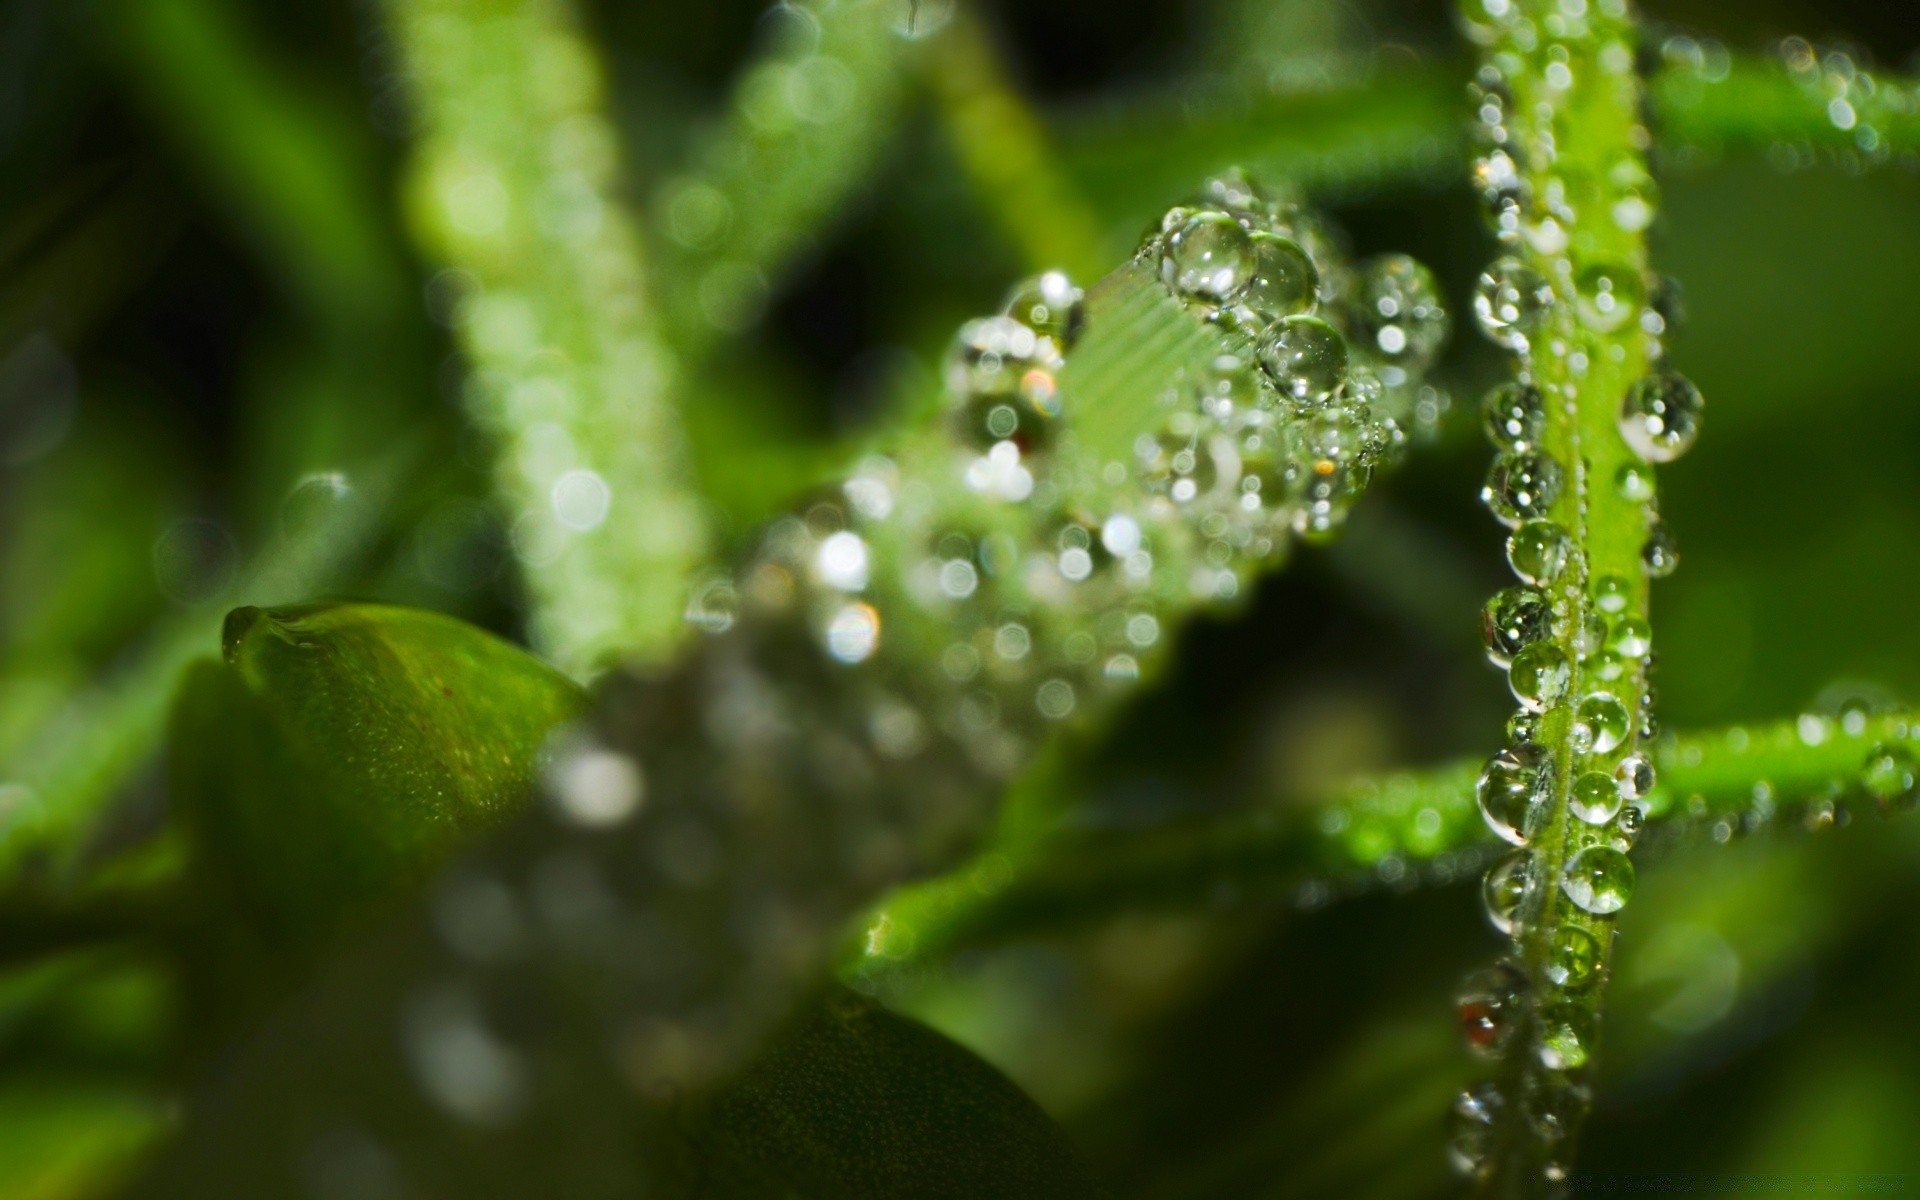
[(343, 749), (855, 1102)]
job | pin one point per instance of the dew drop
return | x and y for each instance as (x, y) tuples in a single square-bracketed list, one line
[(1470, 1129), (1660, 417), (1540, 675), (1634, 482), (1538, 551), (1627, 826), (1398, 314), (1566, 1037), (1599, 880), (1523, 726), (1284, 282), (1051, 306), (1634, 776), (1889, 777), (1573, 958), (1514, 619), (1521, 487), (1631, 637), (1605, 719), (1611, 594), (1504, 889), (1513, 781), (1305, 357), (1208, 258), (1515, 415), (1594, 798), (1488, 1007), (1607, 297), (1659, 554), (1512, 302)]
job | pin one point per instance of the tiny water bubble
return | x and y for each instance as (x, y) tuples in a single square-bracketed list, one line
[(1605, 719), (1538, 551), (1566, 1037), (1633, 482), (1595, 798), (1514, 780), (1209, 258), (1627, 826), (1607, 297), (1630, 637), (1521, 487), (1504, 889), (1284, 282), (1635, 776), (1659, 554), (1515, 415), (1573, 959), (1660, 417), (1470, 1129), (1512, 302), (1599, 879), (1051, 306), (1489, 1006), (1612, 594), (1890, 778), (1398, 313), (1305, 357), (1540, 676), (1514, 619)]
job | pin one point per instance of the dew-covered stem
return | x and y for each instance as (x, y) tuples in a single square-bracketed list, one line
[(1564, 176), (514, 189)]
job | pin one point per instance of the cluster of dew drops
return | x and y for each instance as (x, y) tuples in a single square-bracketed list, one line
[(1535, 631), (1034, 577)]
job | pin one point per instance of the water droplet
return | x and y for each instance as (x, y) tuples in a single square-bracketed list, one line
[(1573, 959), (1284, 282), (1398, 315), (1627, 826), (1471, 1129), (1523, 726), (1599, 880), (1566, 1037), (1051, 306), (1605, 719), (1634, 482), (1515, 416), (1521, 487), (1513, 781), (1889, 776), (1488, 1006), (1514, 619), (1538, 551), (1631, 637), (1660, 555), (1540, 676), (1504, 889), (1305, 357), (1595, 798), (1634, 776), (1001, 375), (1607, 297), (1208, 258), (1660, 416), (1611, 594), (1512, 302)]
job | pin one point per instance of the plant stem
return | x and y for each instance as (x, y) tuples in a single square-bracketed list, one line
[(1396, 831), (514, 188)]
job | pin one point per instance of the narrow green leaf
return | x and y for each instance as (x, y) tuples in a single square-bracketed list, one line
[(342, 749), (857, 1102)]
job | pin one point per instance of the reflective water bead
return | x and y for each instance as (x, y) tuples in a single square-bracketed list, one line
[(1607, 297), (1512, 302), (1001, 375), (1515, 416), (1504, 889), (1589, 635), (1489, 1003), (1594, 798), (1513, 781), (1566, 1037), (1605, 720), (1540, 675), (1305, 357), (1627, 826), (1611, 594), (1660, 416), (1051, 306), (1630, 637), (1523, 726), (1599, 880), (1398, 314), (1573, 959), (1284, 282), (1634, 482), (1538, 551), (1634, 776), (1514, 619), (1208, 258), (1470, 1129), (1889, 776), (1659, 554), (1521, 487)]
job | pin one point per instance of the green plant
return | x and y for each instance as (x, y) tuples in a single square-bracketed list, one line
[(507, 940)]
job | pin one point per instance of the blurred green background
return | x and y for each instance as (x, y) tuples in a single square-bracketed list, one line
[(217, 327)]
